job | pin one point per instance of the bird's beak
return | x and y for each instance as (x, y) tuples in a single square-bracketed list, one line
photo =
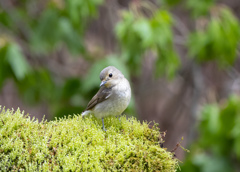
[(102, 83)]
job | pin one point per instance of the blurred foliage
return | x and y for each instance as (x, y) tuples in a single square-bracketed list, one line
[(218, 147), (77, 144), (31, 31), (195, 7), (138, 34), (199, 8), (12, 62), (218, 39)]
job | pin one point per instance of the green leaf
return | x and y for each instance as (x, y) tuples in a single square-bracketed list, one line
[(70, 36), (167, 63), (219, 40), (71, 87), (143, 29), (211, 114), (170, 2), (4, 66), (17, 61), (38, 86), (137, 35), (208, 163), (199, 8)]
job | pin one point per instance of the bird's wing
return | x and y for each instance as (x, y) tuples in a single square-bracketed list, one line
[(103, 94)]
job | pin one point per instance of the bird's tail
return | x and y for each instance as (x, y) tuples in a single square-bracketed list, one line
[(85, 113)]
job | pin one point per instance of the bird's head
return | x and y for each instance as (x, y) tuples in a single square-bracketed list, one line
[(110, 76)]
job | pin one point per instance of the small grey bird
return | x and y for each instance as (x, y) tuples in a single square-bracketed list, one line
[(113, 96)]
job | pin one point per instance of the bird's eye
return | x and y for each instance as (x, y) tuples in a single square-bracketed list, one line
[(110, 75)]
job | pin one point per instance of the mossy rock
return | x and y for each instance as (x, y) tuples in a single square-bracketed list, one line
[(79, 144)]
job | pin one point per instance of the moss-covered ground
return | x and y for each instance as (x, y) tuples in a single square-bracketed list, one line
[(79, 144)]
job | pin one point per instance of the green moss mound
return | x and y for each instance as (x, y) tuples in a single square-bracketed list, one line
[(79, 144)]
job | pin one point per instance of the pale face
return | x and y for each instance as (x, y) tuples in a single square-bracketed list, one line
[(110, 76)]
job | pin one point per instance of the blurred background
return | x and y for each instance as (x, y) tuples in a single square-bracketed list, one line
[(181, 57)]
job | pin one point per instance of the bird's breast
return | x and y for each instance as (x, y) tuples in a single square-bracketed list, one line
[(116, 103)]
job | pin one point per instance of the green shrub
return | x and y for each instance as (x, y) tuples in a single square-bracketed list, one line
[(79, 144), (218, 145)]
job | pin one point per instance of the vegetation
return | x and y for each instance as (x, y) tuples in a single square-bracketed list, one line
[(219, 140), (79, 144)]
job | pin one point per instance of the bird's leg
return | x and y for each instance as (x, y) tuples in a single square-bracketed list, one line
[(119, 116), (103, 125)]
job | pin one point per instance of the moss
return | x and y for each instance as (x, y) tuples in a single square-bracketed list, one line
[(77, 144)]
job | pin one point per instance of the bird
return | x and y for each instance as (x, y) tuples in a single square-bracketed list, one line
[(113, 96)]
